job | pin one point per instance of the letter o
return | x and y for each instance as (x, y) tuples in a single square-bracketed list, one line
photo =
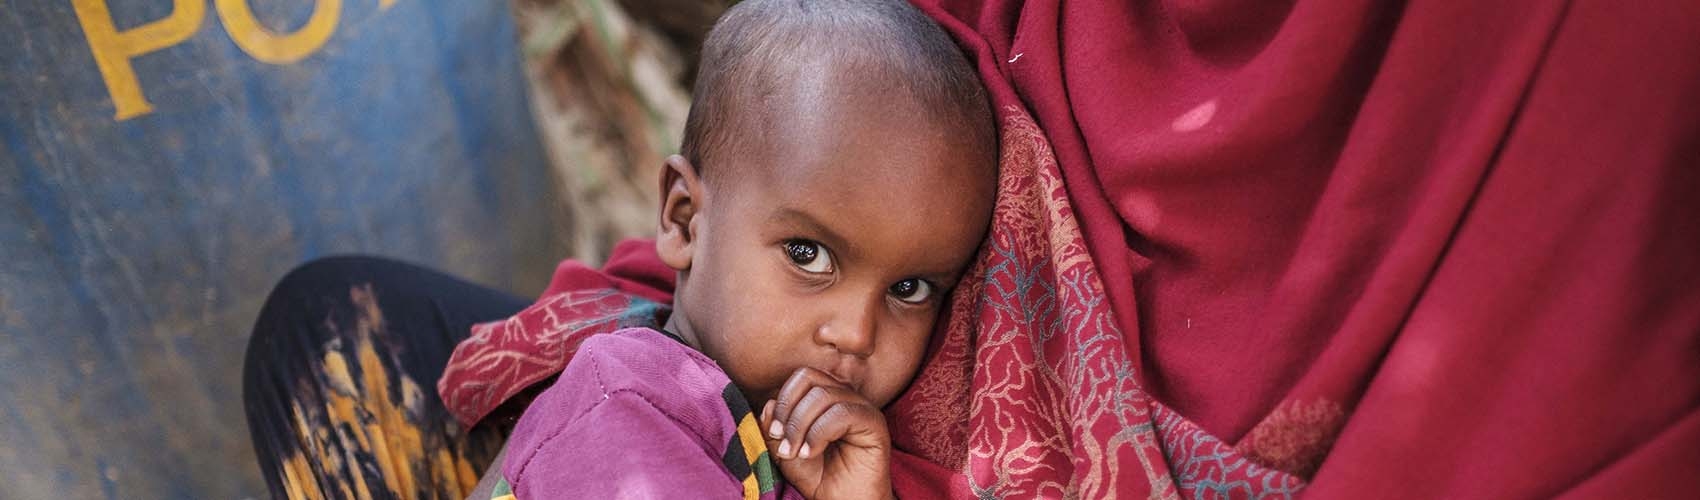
[(271, 47)]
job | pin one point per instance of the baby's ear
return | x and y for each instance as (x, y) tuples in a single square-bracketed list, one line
[(681, 200)]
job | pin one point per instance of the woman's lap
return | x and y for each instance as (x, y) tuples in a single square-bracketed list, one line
[(340, 377)]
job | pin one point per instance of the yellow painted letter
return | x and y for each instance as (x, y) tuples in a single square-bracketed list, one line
[(113, 49), (271, 47)]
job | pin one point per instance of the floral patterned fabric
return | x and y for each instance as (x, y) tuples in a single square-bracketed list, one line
[(1412, 272)]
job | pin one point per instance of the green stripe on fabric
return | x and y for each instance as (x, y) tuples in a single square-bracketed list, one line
[(766, 476), (736, 460)]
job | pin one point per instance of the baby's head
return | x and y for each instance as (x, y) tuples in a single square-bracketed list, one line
[(836, 177)]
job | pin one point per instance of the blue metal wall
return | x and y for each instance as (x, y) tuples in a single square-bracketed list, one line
[(144, 218)]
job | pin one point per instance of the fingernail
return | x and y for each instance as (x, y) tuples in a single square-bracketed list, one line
[(803, 452), (784, 448), (767, 410), (774, 430)]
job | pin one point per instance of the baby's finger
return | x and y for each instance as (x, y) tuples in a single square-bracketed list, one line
[(818, 401), (805, 475), (852, 422), (795, 387), (765, 417)]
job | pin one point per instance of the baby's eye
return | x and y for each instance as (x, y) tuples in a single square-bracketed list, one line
[(809, 256), (913, 291)]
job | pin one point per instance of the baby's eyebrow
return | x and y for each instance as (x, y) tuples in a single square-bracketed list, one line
[(806, 222), (946, 278)]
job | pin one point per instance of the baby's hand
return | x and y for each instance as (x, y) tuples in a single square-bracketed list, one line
[(827, 439)]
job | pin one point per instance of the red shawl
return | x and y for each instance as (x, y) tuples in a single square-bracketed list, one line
[(1249, 249)]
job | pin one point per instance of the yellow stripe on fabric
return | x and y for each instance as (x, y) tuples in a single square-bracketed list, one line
[(752, 490), (749, 433)]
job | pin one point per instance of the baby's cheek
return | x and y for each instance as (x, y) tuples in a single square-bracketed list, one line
[(757, 374), (883, 384), (889, 377)]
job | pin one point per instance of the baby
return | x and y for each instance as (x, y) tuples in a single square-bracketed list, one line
[(837, 175)]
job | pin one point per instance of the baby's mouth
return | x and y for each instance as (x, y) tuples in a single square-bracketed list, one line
[(838, 375)]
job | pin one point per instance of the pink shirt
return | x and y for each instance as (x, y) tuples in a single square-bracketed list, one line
[(635, 414)]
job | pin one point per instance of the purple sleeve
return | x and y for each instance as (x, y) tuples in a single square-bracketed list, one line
[(623, 447)]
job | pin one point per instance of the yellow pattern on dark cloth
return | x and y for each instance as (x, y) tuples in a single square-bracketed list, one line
[(357, 424), (746, 454), (749, 435)]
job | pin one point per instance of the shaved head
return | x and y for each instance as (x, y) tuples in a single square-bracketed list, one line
[(767, 60)]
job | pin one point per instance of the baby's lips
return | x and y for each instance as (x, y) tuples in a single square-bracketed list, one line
[(853, 382)]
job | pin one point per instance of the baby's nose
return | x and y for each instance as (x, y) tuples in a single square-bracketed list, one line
[(852, 331)]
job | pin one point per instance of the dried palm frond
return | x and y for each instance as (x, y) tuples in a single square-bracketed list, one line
[(609, 95)]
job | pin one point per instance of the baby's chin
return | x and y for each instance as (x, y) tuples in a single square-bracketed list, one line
[(756, 394)]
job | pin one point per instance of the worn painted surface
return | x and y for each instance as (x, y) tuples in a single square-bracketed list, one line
[(163, 162), (359, 425)]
